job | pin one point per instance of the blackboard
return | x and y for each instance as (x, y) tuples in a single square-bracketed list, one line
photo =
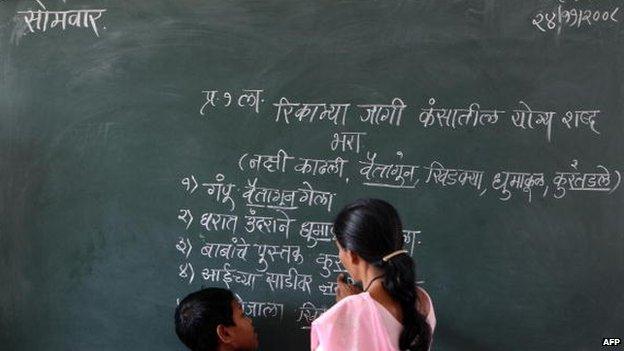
[(494, 127)]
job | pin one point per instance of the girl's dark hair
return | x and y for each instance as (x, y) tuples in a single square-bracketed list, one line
[(198, 315), (372, 229)]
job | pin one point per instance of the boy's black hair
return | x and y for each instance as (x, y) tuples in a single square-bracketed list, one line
[(198, 315)]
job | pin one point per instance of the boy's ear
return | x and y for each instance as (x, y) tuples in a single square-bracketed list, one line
[(224, 334)]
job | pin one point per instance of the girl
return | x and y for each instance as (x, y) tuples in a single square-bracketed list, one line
[(390, 313)]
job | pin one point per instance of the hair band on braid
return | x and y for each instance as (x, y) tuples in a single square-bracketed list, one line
[(387, 257)]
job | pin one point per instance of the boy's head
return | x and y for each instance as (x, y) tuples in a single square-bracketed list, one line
[(212, 319)]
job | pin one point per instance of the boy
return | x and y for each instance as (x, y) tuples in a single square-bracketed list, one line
[(212, 319)]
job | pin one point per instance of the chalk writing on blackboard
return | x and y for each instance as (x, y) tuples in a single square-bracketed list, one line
[(187, 272), (529, 119), (308, 312), (402, 176), (473, 116), (247, 98), (442, 176), (334, 113), (380, 113), (575, 119), (293, 280), (230, 276), (241, 258), (603, 180), (42, 19), (275, 252), (557, 184), (279, 225), (219, 221), (328, 288), (506, 182), (347, 141), (314, 232), (286, 199), (522, 117), (290, 254), (329, 264), (303, 165), (186, 217), (263, 309), (221, 191), (184, 246), (561, 17), (236, 249)]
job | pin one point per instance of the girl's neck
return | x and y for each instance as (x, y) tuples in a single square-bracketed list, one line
[(378, 293), (371, 278)]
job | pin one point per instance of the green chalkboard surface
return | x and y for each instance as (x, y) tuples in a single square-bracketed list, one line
[(149, 148)]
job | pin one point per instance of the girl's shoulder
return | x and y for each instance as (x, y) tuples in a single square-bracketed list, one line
[(349, 305), (425, 307)]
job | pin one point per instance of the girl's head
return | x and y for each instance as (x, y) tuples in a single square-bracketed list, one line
[(370, 229)]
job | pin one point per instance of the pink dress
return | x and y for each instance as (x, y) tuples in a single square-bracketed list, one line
[(358, 322)]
